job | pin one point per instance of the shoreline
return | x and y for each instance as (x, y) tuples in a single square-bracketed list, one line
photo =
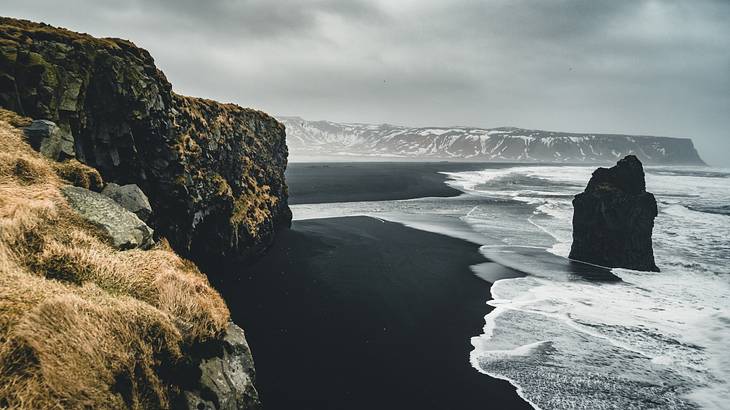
[(357, 312), (328, 182), (397, 370)]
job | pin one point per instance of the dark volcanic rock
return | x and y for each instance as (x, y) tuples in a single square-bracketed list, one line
[(214, 173), (124, 228), (131, 198), (225, 376), (51, 141), (613, 219)]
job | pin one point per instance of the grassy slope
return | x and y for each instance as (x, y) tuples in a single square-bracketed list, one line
[(82, 324)]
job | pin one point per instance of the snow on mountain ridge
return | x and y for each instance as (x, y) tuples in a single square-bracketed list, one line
[(327, 138)]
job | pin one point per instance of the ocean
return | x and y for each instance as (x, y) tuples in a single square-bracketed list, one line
[(648, 340)]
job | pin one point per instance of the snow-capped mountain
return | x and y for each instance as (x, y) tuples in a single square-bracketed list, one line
[(327, 139)]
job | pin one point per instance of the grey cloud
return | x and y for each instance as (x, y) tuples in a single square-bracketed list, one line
[(231, 18), (634, 66), (227, 19)]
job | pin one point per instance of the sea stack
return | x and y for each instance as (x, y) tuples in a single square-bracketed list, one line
[(613, 218)]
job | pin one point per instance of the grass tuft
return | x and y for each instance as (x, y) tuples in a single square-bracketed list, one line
[(79, 174), (83, 325)]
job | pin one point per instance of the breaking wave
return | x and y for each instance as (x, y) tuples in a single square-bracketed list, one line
[(652, 340)]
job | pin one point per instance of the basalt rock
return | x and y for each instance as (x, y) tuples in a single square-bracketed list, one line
[(51, 141), (131, 198), (224, 375), (613, 218), (125, 230), (214, 173)]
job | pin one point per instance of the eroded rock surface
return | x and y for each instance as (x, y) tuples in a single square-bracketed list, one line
[(124, 228), (227, 374), (613, 218), (51, 141)]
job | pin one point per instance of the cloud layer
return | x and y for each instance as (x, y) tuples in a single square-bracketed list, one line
[(646, 67)]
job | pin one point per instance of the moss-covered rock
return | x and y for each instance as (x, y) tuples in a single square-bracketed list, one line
[(214, 173)]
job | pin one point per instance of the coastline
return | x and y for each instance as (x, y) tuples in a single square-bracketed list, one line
[(356, 312), (166, 251), (327, 182)]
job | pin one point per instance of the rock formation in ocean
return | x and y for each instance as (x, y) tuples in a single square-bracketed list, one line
[(214, 173), (613, 218)]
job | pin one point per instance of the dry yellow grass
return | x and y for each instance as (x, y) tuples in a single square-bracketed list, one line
[(79, 174), (13, 29), (83, 325)]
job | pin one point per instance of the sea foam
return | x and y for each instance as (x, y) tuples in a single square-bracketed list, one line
[(652, 340)]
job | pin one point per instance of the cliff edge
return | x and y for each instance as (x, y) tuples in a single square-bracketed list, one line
[(106, 175), (93, 313), (213, 172)]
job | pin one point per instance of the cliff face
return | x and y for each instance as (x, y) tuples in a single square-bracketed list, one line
[(326, 138), (93, 314), (214, 173), (614, 218)]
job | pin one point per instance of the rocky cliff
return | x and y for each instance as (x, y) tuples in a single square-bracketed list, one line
[(96, 308), (93, 312), (213, 172), (613, 218), (326, 139)]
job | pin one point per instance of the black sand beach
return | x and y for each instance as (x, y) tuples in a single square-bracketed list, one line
[(372, 181), (357, 313)]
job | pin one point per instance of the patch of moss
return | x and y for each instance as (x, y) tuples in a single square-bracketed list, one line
[(16, 29), (222, 186), (8, 51), (253, 207)]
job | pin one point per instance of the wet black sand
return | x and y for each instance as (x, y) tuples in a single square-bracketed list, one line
[(372, 181), (357, 313)]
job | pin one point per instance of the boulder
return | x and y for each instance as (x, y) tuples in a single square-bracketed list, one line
[(50, 140), (613, 218), (124, 228), (226, 376), (131, 198)]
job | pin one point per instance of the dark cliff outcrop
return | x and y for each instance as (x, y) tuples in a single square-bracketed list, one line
[(613, 218), (94, 315), (214, 173)]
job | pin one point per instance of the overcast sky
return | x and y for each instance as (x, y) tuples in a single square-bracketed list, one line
[(629, 66)]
